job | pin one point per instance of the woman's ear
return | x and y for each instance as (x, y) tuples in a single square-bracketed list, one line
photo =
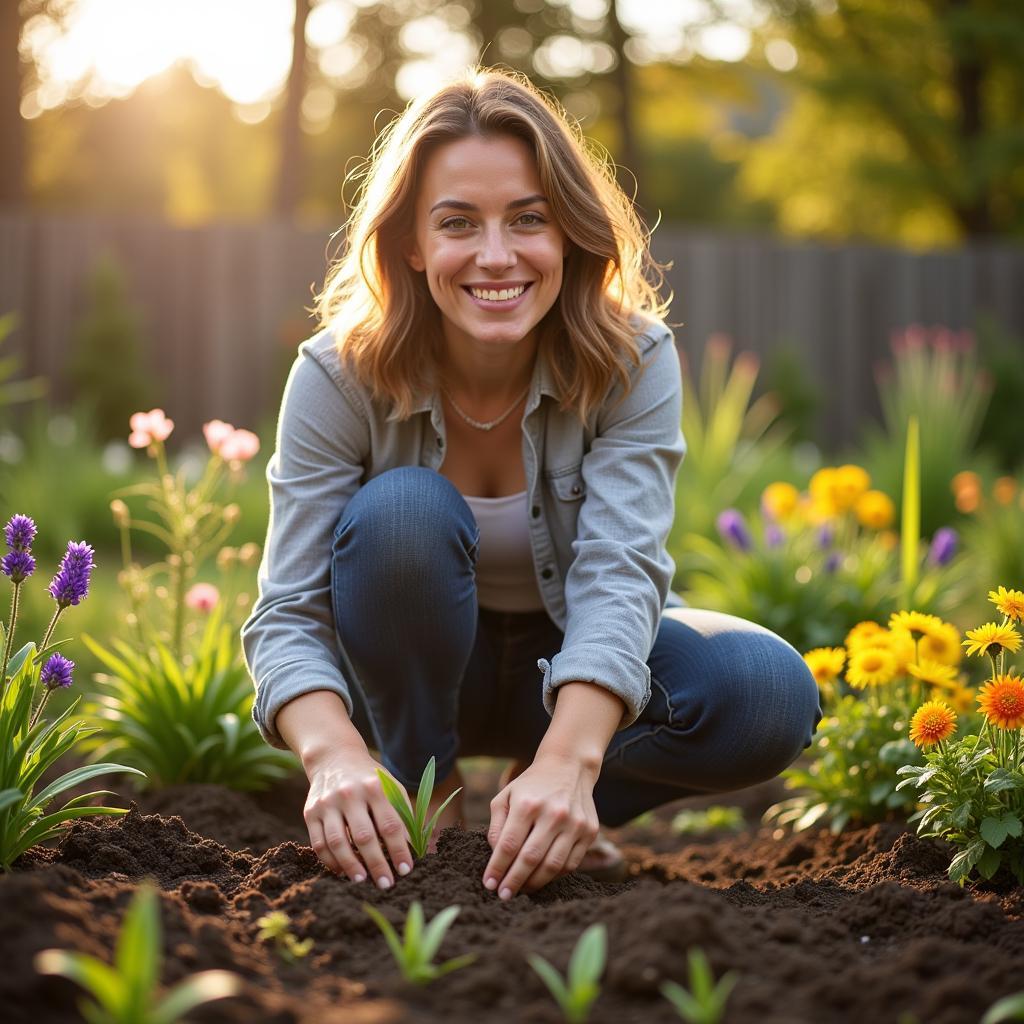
[(412, 255)]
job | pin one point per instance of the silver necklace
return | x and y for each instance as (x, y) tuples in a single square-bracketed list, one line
[(476, 423)]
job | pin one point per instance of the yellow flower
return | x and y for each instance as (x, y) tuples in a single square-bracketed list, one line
[(943, 644), (1004, 490), (1001, 701), (916, 623), (932, 722), (825, 663), (875, 510), (960, 696), (862, 634), (991, 639), (779, 500), (899, 643), (932, 672), (871, 666), (824, 494), (849, 484), (1009, 602)]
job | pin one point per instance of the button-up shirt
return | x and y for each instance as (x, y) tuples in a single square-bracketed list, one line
[(600, 498)]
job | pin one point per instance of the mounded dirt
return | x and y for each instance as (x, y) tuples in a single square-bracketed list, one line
[(860, 927)]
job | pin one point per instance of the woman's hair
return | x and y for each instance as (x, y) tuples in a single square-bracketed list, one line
[(386, 324)]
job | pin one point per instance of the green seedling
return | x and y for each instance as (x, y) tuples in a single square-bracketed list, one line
[(1008, 1008), (577, 992), (705, 1001), (420, 830), (415, 951), (126, 993), (711, 819), (275, 927)]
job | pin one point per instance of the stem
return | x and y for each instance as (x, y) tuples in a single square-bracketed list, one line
[(39, 710), (49, 629), (9, 644)]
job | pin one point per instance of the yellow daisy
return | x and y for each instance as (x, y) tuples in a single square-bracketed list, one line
[(875, 510), (863, 633), (871, 666), (1009, 602), (899, 643), (942, 645), (917, 623), (960, 696), (779, 500), (825, 663), (1001, 701), (991, 639), (932, 672), (932, 722)]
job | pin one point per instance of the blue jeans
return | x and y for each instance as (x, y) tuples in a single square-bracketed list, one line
[(731, 703)]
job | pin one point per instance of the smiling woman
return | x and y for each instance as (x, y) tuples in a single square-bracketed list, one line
[(430, 552)]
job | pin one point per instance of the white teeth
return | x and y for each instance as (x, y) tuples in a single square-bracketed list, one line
[(494, 296)]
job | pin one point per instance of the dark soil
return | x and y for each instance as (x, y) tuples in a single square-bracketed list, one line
[(861, 927)]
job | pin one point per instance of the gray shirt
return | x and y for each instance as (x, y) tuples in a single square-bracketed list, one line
[(600, 498)]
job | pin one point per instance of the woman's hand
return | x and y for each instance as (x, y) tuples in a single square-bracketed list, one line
[(542, 823), (348, 816)]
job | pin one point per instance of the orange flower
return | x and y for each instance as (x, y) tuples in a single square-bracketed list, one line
[(932, 723), (875, 510), (966, 480), (1001, 701), (1004, 490)]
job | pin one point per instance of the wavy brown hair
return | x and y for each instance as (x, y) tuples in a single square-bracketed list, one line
[(387, 326)]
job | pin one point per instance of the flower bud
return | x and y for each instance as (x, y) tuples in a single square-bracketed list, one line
[(119, 510), (249, 554), (226, 558), (232, 513)]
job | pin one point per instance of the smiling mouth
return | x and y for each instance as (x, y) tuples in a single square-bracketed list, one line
[(497, 294)]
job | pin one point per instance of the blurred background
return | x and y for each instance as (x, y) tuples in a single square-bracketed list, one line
[(838, 186)]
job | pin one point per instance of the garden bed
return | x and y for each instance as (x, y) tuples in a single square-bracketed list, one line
[(860, 927)]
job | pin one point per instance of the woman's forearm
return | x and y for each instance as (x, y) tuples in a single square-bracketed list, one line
[(316, 724), (585, 719)]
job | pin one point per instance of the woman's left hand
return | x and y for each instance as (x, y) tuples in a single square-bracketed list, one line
[(542, 823)]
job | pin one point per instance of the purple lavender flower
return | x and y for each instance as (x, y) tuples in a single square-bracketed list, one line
[(19, 565), (944, 545), (56, 672), (834, 560), (774, 535), (19, 532), (71, 583), (733, 528), (825, 535)]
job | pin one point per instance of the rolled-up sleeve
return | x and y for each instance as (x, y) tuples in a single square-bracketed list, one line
[(289, 638), (619, 579)]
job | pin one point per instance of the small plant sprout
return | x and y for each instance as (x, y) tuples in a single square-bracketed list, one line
[(275, 927), (420, 830), (577, 992), (419, 943), (710, 819), (1007, 1008), (705, 1002), (126, 993)]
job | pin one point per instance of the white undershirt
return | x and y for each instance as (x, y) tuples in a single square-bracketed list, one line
[(505, 579)]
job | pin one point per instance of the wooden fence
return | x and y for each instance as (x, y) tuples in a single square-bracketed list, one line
[(224, 305)]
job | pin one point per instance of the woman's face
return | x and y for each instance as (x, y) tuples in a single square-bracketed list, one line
[(483, 226)]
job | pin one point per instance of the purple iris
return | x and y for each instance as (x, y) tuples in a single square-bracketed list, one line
[(733, 528), (19, 565), (19, 532), (56, 672), (944, 545), (71, 583)]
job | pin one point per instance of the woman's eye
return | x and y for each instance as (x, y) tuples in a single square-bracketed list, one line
[(536, 219), (459, 223), (450, 222)]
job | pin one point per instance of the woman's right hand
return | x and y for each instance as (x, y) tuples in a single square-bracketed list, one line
[(349, 818)]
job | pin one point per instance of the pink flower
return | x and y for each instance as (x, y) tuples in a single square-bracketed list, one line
[(240, 446), (202, 596), (148, 427), (216, 432)]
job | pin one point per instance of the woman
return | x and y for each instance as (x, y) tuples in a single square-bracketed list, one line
[(470, 496)]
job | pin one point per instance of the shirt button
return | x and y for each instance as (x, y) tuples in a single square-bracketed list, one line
[(535, 511), (576, 488), (547, 572)]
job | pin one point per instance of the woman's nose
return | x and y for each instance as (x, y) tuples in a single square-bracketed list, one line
[(495, 250)]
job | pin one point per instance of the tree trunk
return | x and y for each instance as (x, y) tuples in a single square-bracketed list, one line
[(12, 125), (290, 166)]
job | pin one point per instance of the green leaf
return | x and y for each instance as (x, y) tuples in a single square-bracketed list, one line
[(989, 863), (390, 935), (1012, 824), (15, 664), (551, 978), (96, 977), (588, 958), (423, 794), (79, 775), (1007, 1008), (961, 816), (435, 932), (137, 955), (192, 992), (993, 831)]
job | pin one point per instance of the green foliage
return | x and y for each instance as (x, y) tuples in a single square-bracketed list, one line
[(420, 830), (994, 535), (935, 376), (415, 951), (705, 1002), (1000, 354), (126, 992), (276, 927), (182, 719), (799, 399), (710, 819), (1008, 1008), (577, 992), (851, 776), (105, 367), (13, 391)]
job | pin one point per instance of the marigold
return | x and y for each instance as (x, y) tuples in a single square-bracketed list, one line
[(862, 634), (871, 666), (779, 500), (1001, 701), (875, 510), (932, 722), (983, 639), (823, 491), (942, 645), (849, 484), (825, 663), (1004, 490), (916, 623), (1009, 602)]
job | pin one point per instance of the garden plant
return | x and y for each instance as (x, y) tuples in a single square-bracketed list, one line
[(575, 994), (415, 819), (704, 1001)]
